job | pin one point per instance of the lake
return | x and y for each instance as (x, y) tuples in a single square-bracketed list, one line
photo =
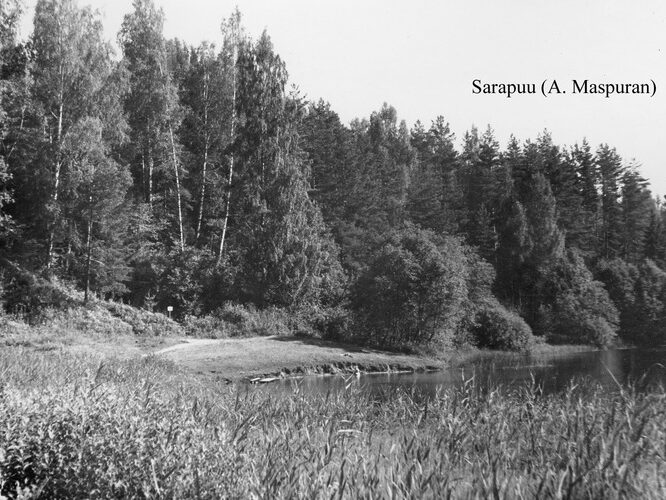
[(553, 372)]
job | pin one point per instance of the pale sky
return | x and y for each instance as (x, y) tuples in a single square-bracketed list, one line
[(421, 57)]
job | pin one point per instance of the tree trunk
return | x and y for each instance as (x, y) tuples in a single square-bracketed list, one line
[(56, 184), (231, 159), (226, 210), (202, 195), (88, 251), (150, 176), (175, 168), (143, 174)]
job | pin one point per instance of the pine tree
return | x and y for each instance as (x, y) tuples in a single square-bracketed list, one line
[(637, 209), (328, 145), (444, 159), (609, 165), (655, 239), (481, 161), (427, 202), (585, 233), (560, 170), (424, 197)]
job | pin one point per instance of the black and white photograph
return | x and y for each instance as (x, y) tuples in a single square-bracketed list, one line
[(370, 249)]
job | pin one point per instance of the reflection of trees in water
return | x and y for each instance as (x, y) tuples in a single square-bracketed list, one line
[(554, 373), (610, 367)]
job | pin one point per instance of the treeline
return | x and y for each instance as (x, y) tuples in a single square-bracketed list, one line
[(192, 177)]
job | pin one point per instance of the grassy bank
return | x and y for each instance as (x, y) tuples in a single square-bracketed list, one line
[(74, 426), (235, 359)]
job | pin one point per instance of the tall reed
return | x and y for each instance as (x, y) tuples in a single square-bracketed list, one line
[(83, 427)]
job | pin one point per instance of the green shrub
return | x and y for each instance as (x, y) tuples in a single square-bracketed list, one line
[(87, 320), (415, 288), (239, 320), (207, 327), (142, 322), (498, 328), (29, 295), (331, 323), (578, 309), (597, 331)]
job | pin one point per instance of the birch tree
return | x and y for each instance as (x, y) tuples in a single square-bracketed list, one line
[(71, 66), (234, 41), (152, 106)]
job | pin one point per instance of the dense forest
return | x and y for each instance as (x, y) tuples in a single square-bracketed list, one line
[(194, 177)]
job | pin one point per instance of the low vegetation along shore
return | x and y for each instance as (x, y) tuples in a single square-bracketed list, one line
[(83, 426)]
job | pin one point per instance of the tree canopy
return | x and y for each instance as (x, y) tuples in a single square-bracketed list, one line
[(193, 176)]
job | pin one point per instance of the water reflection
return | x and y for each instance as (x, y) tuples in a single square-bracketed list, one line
[(611, 369)]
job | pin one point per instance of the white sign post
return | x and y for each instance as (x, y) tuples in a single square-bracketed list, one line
[(169, 309)]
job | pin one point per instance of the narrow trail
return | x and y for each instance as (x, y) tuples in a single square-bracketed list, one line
[(184, 344)]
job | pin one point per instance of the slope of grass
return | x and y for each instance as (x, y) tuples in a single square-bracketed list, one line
[(86, 427)]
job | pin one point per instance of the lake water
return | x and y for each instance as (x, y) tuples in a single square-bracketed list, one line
[(552, 372)]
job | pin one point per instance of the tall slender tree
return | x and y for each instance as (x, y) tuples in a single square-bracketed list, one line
[(610, 170), (11, 67), (585, 234), (234, 42), (71, 69), (285, 255), (637, 209), (152, 107)]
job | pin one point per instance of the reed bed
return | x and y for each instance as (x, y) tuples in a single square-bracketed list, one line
[(83, 427)]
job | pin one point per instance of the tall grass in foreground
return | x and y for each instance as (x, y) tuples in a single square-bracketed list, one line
[(78, 427)]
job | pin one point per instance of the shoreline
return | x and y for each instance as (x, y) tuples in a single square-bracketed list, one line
[(248, 359), (255, 358), (268, 359)]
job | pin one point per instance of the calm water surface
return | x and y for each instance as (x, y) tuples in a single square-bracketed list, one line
[(553, 372)]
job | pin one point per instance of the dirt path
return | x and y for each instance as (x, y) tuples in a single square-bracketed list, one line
[(235, 359)]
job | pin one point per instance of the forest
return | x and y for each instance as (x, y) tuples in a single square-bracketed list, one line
[(198, 178)]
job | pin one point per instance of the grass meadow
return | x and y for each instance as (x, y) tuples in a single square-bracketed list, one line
[(80, 426)]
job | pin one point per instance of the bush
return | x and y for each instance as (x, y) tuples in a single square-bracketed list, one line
[(597, 331), (29, 295), (238, 320), (579, 309), (415, 288), (86, 320), (332, 323), (207, 327), (142, 322), (498, 328), (182, 283)]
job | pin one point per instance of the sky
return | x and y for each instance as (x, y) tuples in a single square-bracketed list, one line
[(421, 57)]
